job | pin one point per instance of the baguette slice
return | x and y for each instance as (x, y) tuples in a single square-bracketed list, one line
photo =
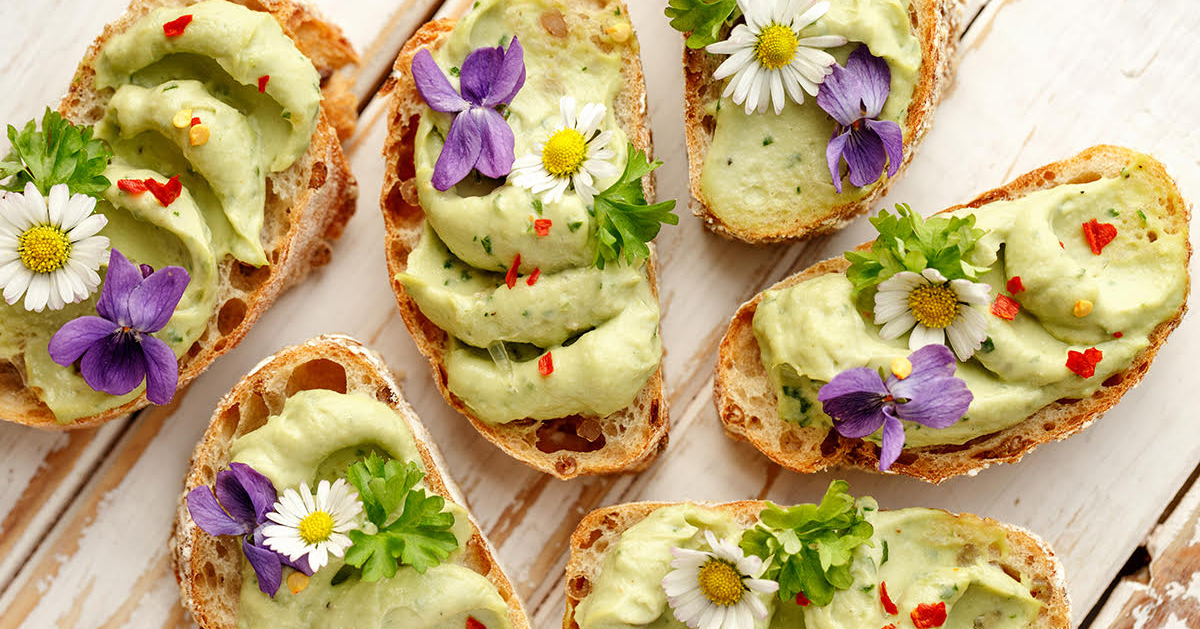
[(307, 205), (747, 405), (566, 447), (600, 529), (207, 568), (935, 23)]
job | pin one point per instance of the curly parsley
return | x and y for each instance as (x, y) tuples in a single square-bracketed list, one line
[(702, 18), (810, 547), (624, 222), (59, 153)]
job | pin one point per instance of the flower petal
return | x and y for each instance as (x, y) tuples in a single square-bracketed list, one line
[(114, 364), (893, 440), (119, 281), (497, 144), (153, 301), (893, 142), (209, 516), (267, 567), (478, 70), (76, 337), (162, 370), (433, 86), (841, 96), (922, 336), (509, 78), (855, 398), (463, 145), (257, 490), (833, 155), (865, 155), (874, 79)]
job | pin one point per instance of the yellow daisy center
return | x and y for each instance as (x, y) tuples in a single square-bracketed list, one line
[(721, 583), (44, 248), (776, 46), (564, 152), (934, 305), (316, 527)]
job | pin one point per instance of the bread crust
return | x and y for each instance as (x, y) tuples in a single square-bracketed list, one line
[(747, 406), (600, 529), (298, 232), (551, 446), (207, 568), (936, 24)]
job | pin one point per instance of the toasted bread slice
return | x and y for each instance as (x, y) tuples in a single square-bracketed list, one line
[(747, 405), (625, 441), (935, 24), (208, 568), (599, 530), (307, 205)]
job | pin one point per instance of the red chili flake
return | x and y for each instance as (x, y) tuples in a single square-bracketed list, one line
[(175, 27), (890, 626), (1084, 364), (262, 87), (1099, 234), (546, 364), (1061, 246), (166, 193), (1015, 285), (1117, 335), (195, 121), (131, 186), (927, 616), (888, 605), (542, 226), (802, 600), (511, 277), (533, 277), (474, 624), (1006, 307)]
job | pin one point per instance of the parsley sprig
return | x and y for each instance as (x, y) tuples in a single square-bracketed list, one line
[(811, 547), (907, 242), (58, 153), (703, 18), (420, 535), (624, 222)]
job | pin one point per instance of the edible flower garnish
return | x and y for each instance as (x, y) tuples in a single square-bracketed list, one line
[(115, 350), (861, 401), (928, 615), (624, 221), (311, 528), (239, 507), (1099, 235), (716, 588), (854, 96), (50, 249), (809, 548), (60, 153), (769, 60), (575, 154), (1083, 364), (934, 309), (702, 18), (479, 138)]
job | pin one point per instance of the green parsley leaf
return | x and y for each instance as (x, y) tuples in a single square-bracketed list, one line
[(810, 547), (419, 536), (624, 223), (703, 18), (59, 153)]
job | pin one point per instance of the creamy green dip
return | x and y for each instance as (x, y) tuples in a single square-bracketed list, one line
[(600, 326), (315, 437), (212, 69), (932, 557), (767, 173), (811, 331)]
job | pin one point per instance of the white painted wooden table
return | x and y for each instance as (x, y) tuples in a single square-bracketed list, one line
[(84, 516)]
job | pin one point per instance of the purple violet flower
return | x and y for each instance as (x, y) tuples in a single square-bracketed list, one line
[(242, 500), (115, 350), (854, 96), (860, 401), (479, 136)]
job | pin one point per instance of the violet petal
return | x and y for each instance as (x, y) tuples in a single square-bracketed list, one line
[(841, 96), (857, 414), (152, 302), (893, 441), (833, 155), (865, 155), (463, 145), (874, 80), (267, 567), (940, 404), (114, 365), (234, 499), (478, 71), (929, 362), (893, 142), (120, 279), (433, 86), (77, 336), (509, 78), (162, 369), (259, 489), (209, 516), (497, 150), (851, 381)]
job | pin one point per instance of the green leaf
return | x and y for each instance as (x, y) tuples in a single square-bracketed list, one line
[(702, 18), (58, 153), (624, 223)]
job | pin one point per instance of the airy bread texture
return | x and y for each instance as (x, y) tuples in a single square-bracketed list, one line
[(307, 205), (747, 405), (935, 23), (208, 568), (626, 441), (599, 530)]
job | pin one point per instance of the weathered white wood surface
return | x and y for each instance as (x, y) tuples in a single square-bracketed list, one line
[(84, 517)]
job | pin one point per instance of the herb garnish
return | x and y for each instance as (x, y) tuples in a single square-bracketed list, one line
[(704, 18), (59, 153), (624, 222)]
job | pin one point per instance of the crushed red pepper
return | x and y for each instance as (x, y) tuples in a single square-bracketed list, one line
[(474, 624), (262, 87), (511, 277), (1015, 285), (1006, 307), (1099, 234), (166, 193), (1118, 335), (890, 626), (888, 605), (533, 277), (195, 121), (927, 616), (542, 226), (802, 600), (546, 364), (1083, 364), (175, 27), (131, 186)]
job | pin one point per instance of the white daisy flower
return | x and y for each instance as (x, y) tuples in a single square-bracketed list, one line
[(576, 154), (716, 589), (50, 253), (313, 527), (934, 309), (768, 58)]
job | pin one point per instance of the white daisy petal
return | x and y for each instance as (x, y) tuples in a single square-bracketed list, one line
[(922, 336), (532, 173), (15, 287), (974, 293), (934, 276)]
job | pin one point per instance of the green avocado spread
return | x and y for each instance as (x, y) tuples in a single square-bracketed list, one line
[(931, 557), (315, 437), (599, 326), (767, 173), (810, 332), (212, 70)]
